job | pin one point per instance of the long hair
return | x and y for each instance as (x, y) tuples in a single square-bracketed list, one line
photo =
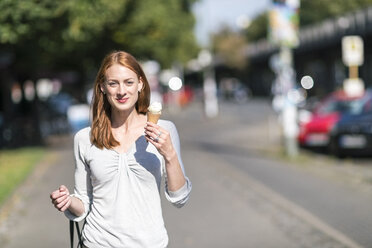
[(101, 135)]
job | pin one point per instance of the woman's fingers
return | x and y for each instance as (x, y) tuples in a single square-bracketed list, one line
[(61, 198), (63, 205), (54, 195), (153, 128), (156, 132), (68, 203), (63, 188), (150, 124), (62, 202), (57, 196), (160, 138)]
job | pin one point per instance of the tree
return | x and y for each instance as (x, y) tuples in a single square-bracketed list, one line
[(258, 28), (229, 47), (164, 31), (47, 34)]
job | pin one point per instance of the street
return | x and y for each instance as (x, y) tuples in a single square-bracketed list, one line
[(323, 191), (245, 193)]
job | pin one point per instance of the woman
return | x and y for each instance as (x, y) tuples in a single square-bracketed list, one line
[(120, 161)]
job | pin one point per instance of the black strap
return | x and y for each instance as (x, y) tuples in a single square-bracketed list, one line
[(71, 234), (79, 235), (80, 243)]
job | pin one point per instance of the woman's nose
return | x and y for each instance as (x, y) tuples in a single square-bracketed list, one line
[(122, 89)]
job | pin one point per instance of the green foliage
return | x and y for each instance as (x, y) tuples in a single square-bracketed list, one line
[(18, 18), (47, 34), (88, 18), (258, 28), (164, 31), (15, 165), (229, 46)]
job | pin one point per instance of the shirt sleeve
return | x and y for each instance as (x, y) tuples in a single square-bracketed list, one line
[(83, 186), (177, 198)]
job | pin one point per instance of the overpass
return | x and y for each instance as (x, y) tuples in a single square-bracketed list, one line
[(318, 55)]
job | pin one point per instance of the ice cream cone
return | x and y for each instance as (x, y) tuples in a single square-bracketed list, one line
[(151, 117), (154, 112)]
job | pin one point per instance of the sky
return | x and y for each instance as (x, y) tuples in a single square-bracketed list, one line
[(212, 14)]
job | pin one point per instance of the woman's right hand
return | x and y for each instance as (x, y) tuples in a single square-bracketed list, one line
[(61, 198)]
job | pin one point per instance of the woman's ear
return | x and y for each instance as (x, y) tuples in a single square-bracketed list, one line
[(102, 89), (140, 85)]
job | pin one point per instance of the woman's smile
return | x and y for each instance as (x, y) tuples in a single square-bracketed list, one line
[(122, 100)]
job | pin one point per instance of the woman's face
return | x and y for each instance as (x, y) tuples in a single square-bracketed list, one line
[(121, 87)]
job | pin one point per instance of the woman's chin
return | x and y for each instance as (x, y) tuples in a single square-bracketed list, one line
[(123, 107)]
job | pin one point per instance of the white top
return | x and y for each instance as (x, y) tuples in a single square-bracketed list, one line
[(120, 192)]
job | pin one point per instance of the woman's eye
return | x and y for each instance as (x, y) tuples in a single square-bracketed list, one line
[(112, 84), (130, 82)]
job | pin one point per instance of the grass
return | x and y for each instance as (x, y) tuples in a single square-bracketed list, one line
[(15, 166)]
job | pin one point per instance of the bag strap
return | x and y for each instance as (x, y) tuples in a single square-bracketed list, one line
[(80, 243), (79, 234), (71, 234)]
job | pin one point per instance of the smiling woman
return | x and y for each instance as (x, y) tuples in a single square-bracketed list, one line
[(120, 163)]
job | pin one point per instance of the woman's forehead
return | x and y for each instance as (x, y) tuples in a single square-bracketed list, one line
[(119, 71)]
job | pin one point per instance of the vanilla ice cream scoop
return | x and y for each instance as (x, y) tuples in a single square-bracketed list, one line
[(155, 108), (154, 112)]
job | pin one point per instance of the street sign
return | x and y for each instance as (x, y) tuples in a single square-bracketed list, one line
[(354, 86), (352, 50), (284, 22)]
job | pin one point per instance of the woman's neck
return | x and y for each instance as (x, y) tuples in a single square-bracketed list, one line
[(124, 120)]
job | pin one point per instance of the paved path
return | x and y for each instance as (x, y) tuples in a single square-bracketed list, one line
[(31, 220), (227, 208)]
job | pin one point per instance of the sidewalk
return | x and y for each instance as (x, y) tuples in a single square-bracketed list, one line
[(28, 219)]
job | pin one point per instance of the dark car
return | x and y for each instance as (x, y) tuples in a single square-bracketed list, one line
[(352, 134)]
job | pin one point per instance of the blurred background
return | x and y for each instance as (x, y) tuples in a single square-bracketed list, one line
[(274, 92)]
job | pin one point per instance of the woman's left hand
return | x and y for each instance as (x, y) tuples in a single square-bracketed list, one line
[(161, 139)]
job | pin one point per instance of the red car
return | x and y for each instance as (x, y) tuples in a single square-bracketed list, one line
[(315, 132)]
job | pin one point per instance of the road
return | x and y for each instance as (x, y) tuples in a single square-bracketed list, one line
[(331, 195), (245, 194)]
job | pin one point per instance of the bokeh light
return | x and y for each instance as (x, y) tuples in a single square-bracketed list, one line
[(307, 82), (175, 83)]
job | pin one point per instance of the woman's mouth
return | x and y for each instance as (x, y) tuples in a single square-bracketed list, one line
[(122, 100)]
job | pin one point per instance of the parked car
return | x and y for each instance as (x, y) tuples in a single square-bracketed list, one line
[(352, 135), (315, 130)]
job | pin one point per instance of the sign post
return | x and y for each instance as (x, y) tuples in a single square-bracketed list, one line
[(283, 31), (353, 57)]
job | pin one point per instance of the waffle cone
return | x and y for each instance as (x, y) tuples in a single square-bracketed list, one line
[(153, 117)]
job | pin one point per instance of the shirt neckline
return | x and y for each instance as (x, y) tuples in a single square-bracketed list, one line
[(130, 148)]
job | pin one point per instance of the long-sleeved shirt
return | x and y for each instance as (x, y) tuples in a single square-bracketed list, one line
[(120, 192)]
